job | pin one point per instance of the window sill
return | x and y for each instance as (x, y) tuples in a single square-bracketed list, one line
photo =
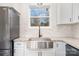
[(36, 27)]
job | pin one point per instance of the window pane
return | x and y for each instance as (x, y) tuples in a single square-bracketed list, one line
[(34, 21), (39, 12), (44, 21)]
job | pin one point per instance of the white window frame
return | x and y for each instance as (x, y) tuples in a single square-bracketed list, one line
[(44, 6)]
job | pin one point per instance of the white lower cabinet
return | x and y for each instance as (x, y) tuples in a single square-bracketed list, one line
[(19, 48), (48, 52), (60, 49), (31, 53)]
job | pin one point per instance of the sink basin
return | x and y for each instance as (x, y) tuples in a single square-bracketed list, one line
[(39, 43)]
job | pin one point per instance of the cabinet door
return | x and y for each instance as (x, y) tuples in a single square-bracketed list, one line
[(31, 53), (75, 12), (19, 48), (64, 13), (48, 52), (60, 49)]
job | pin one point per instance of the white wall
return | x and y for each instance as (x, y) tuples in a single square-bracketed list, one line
[(53, 31)]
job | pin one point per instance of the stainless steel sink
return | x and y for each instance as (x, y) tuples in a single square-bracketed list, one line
[(39, 43)]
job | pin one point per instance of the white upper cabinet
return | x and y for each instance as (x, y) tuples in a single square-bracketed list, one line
[(64, 13), (76, 12), (67, 13)]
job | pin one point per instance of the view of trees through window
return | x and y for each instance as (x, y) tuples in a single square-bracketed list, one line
[(39, 16)]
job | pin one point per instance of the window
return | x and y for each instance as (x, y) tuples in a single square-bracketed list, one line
[(39, 16)]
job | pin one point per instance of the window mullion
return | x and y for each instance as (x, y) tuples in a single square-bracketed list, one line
[(39, 16)]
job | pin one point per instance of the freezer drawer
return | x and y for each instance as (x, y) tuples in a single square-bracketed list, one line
[(4, 52), (5, 44)]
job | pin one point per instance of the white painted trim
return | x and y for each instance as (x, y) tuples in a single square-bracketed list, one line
[(36, 27)]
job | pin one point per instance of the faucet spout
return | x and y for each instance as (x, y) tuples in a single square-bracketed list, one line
[(39, 32)]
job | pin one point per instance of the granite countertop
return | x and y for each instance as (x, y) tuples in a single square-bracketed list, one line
[(71, 41)]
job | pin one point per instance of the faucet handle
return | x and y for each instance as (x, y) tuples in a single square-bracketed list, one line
[(40, 35)]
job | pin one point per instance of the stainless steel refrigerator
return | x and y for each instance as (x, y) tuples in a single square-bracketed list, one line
[(9, 30)]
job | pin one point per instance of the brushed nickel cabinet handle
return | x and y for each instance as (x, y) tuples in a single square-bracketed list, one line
[(14, 50), (70, 19), (39, 53), (78, 17), (57, 45)]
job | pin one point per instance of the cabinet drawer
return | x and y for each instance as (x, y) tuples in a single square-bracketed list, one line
[(19, 48), (4, 52)]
